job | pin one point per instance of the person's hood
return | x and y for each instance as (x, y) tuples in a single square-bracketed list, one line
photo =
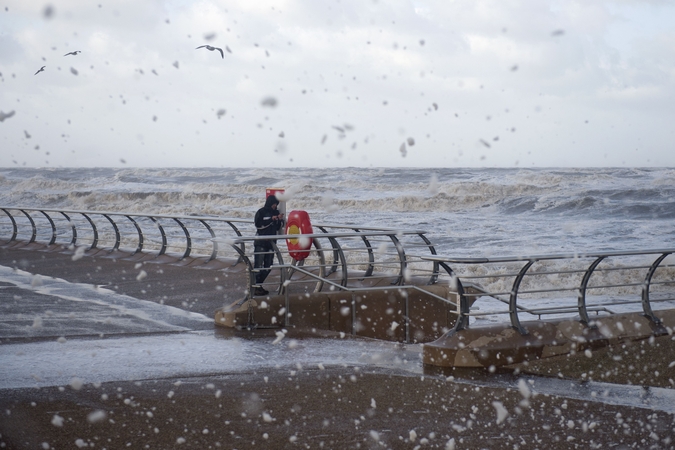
[(271, 200)]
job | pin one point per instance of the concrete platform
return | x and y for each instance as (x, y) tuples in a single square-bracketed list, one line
[(377, 315), (502, 346)]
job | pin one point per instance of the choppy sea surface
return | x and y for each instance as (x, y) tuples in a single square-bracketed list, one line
[(466, 212)]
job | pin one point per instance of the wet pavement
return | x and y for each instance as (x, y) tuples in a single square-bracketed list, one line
[(85, 365)]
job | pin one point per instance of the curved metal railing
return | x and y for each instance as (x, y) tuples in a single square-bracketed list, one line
[(118, 231), (620, 279), (352, 258), (344, 253)]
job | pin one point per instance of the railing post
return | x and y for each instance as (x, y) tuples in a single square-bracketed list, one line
[(214, 243), (343, 262), (322, 264), (513, 299), (371, 256), (646, 305), (249, 269), (463, 309), (336, 252), (432, 250), (94, 243), (32, 225), (72, 228), (402, 260), (407, 317), (162, 233), (282, 271), (118, 238), (353, 314), (188, 239), (15, 229), (51, 222), (139, 248), (581, 303), (338, 256), (287, 314)]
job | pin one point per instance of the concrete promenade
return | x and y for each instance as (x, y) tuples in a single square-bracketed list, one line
[(112, 351)]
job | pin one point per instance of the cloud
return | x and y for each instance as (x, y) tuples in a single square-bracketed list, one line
[(331, 63)]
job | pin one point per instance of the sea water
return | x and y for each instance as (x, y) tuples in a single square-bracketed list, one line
[(465, 212)]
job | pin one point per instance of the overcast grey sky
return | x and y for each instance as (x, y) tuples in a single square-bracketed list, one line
[(470, 83)]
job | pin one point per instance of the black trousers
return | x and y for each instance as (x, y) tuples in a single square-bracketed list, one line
[(263, 258)]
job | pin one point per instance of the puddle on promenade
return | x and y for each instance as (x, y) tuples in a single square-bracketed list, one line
[(203, 353)]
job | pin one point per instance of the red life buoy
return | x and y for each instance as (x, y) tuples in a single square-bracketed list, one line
[(298, 223)]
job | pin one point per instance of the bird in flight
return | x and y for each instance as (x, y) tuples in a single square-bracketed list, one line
[(73, 53), (42, 69), (210, 48)]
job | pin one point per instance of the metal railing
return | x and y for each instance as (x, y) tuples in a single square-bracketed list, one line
[(359, 259), (354, 269), (351, 251), (615, 275), (118, 231), (344, 258)]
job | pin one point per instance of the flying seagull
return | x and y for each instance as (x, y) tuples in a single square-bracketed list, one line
[(73, 53), (208, 47), (42, 69), (4, 116)]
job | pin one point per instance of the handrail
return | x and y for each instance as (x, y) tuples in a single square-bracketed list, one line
[(501, 259), (198, 235), (582, 308), (354, 259), (339, 252)]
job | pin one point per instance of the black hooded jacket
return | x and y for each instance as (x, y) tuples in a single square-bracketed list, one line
[(264, 223)]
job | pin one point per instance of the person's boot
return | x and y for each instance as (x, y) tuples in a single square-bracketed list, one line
[(260, 291)]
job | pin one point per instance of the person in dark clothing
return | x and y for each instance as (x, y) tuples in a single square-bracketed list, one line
[(268, 220)]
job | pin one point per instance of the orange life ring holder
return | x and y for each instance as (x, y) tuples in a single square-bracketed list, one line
[(298, 223)]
